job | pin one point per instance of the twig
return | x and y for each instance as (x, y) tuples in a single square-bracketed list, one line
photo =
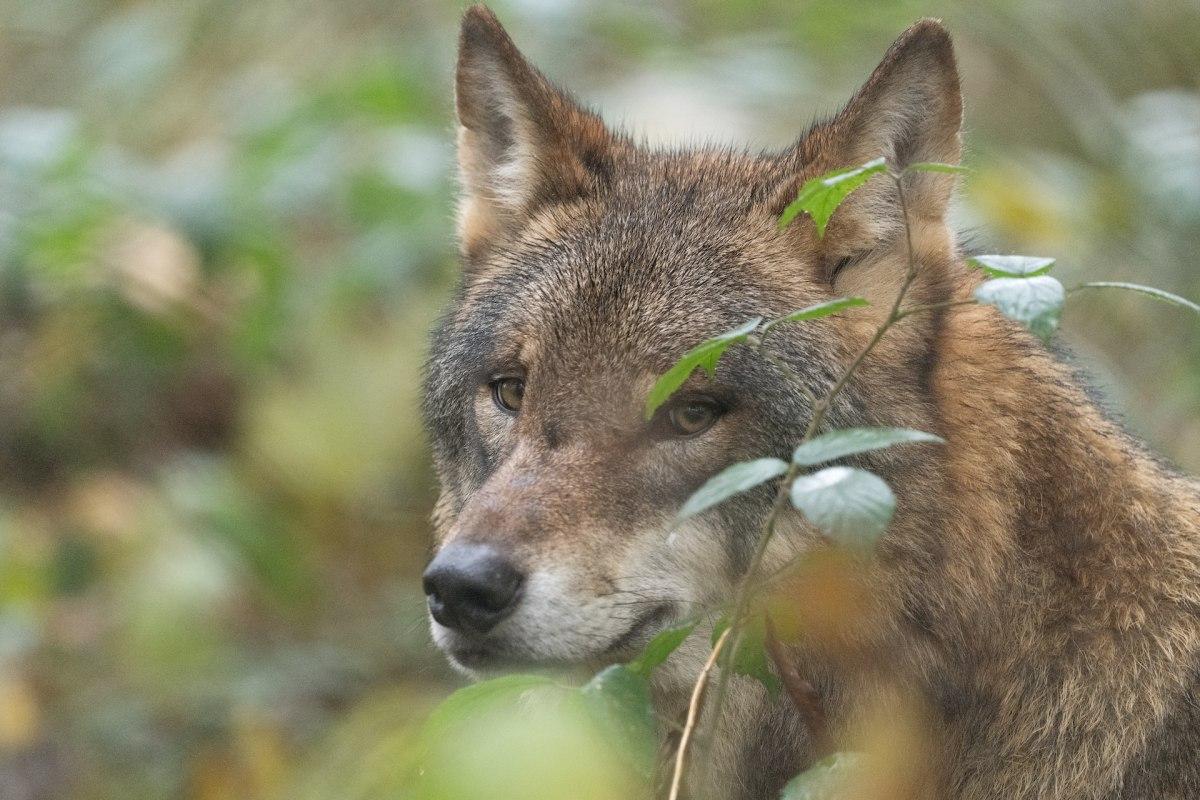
[(689, 727), (803, 694), (820, 410)]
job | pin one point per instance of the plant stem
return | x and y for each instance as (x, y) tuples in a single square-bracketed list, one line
[(689, 727), (821, 408)]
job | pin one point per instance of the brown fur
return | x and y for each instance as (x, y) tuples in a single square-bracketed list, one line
[(1032, 610)]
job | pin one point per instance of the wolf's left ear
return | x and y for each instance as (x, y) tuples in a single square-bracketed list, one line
[(522, 142), (908, 111)]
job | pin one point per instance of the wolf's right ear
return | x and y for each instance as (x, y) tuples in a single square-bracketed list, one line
[(522, 143)]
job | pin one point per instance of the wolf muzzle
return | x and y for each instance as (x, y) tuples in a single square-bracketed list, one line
[(470, 588)]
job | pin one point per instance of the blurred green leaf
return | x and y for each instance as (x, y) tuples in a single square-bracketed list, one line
[(730, 481), (1034, 302), (618, 698), (852, 505), (660, 648), (1158, 294), (852, 441), (704, 355), (828, 779), (821, 196), (1012, 266)]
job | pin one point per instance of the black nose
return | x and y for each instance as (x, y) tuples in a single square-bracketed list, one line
[(471, 587)]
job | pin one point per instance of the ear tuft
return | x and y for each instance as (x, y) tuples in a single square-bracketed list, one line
[(521, 141), (910, 109)]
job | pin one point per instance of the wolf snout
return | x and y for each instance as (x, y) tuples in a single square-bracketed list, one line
[(471, 587)]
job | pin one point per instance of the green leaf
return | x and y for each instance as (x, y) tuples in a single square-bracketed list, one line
[(1137, 287), (472, 700), (660, 647), (1012, 266), (821, 196), (618, 701), (732, 480), (935, 166), (851, 441), (751, 658), (851, 505), (825, 309), (828, 779), (1034, 302), (704, 355)]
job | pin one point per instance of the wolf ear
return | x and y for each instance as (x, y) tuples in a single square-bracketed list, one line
[(522, 142), (908, 111)]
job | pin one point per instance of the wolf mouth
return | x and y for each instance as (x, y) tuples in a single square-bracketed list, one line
[(484, 656)]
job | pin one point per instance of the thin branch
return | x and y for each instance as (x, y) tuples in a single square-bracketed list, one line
[(803, 694), (821, 408), (689, 727)]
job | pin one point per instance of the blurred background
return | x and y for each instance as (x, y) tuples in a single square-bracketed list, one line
[(225, 228)]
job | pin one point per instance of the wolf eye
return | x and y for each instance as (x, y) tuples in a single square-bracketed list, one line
[(507, 394), (693, 417)]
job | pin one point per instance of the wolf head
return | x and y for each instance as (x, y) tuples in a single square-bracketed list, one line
[(590, 265)]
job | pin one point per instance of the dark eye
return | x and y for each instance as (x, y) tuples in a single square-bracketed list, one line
[(692, 417), (508, 393)]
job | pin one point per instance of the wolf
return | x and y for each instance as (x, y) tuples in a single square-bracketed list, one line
[(1038, 589)]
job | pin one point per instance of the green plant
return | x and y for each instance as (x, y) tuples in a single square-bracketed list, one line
[(851, 507)]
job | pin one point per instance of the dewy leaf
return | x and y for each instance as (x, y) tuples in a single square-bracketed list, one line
[(1148, 290), (851, 441), (828, 779), (751, 658), (825, 309), (935, 166), (1012, 266), (704, 355), (618, 701), (1034, 302), (660, 647), (852, 505), (732, 480), (821, 196)]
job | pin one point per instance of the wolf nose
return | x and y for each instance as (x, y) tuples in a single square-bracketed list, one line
[(471, 587)]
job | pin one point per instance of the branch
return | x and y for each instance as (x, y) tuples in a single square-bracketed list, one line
[(803, 694), (689, 727), (746, 586)]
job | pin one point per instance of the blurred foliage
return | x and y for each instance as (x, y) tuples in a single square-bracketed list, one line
[(224, 229)]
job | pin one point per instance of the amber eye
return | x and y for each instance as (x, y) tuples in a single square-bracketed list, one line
[(693, 417), (508, 393)]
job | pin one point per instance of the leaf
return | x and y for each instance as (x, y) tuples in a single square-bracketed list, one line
[(851, 505), (1137, 287), (732, 480), (828, 779), (825, 309), (618, 701), (1034, 302), (851, 441), (821, 196), (1012, 266), (704, 355), (935, 166), (471, 700), (751, 658), (660, 647)]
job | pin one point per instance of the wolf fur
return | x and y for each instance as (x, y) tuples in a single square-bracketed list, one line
[(1035, 601)]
